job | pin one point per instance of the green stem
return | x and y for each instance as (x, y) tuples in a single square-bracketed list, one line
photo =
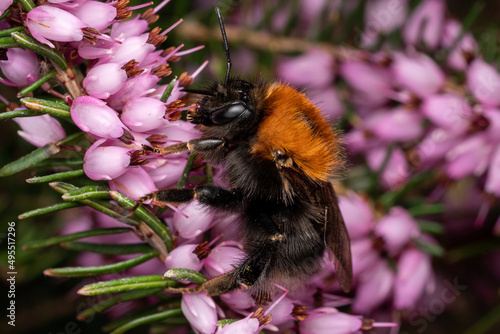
[(29, 159), (99, 270), (36, 84), (56, 176), (148, 319), (27, 4), (48, 209), (34, 245)]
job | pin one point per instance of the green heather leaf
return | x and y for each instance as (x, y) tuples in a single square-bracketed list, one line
[(56, 176), (183, 274), (486, 323), (27, 4), (113, 249), (87, 192), (430, 227), (125, 284), (39, 244), (58, 162), (53, 108), (101, 206), (474, 249), (186, 171), (48, 209), (114, 300), (29, 159), (36, 84), (19, 113), (43, 50), (8, 42), (7, 32), (147, 217), (148, 319), (427, 247), (5, 14), (426, 209), (168, 90), (99, 270)]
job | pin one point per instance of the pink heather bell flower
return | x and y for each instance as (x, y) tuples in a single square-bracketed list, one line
[(134, 183), (200, 310), (397, 228), (425, 24), (418, 73), (49, 22), (222, 259), (483, 81), (448, 111), (94, 116), (372, 83), (21, 68), (383, 16), (95, 14), (395, 172), (105, 162), (374, 287), (470, 157), (40, 130), (183, 257), (4, 4), (465, 49), (144, 114), (327, 320), (414, 276), (492, 184), (357, 214), (312, 69), (192, 219), (128, 28), (104, 79), (396, 125), (247, 325)]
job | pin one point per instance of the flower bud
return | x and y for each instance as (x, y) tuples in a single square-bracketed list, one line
[(492, 184), (200, 311), (312, 69), (327, 320), (49, 22), (40, 130), (21, 68), (94, 116), (105, 162), (222, 259), (374, 288), (183, 257), (484, 82), (104, 79), (192, 219), (4, 5), (449, 111), (357, 214), (247, 325), (397, 125), (144, 114), (134, 183), (95, 14), (396, 170)]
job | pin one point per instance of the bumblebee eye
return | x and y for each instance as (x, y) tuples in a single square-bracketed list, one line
[(229, 113)]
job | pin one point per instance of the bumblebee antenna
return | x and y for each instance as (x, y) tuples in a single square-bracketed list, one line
[(226, 45)]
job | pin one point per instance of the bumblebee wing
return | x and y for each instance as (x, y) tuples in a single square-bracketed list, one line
[(336, 236)]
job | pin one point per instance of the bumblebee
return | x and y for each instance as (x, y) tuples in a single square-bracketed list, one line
[(280, 157)]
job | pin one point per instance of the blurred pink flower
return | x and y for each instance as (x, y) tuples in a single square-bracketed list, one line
[(313, 69), (40, 130), (397, 228), (374, 288), (396, 125), (413, 277), (463, 50), (492, 184), (358, 215), (425, 24), (448, 111), (483, 81), (396, 170)]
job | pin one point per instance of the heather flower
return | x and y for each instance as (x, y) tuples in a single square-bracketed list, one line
[(448, 111), (104, 162), (330, 321), (483, 80), (49, 22), (192, 219), (358, 216), (418, 73), (93, 115), (95, 14), (397, 228), (144, 114), (374, 287), (396, 169), (200, 311), (40, 130), (396, 125), (465, 48), (21, 67), (247, 325), (492, 183), (425, 24), (413, 277), (103, 80), (4, 5), (222, 259), (382, 17), (183, 257), (134, 183)]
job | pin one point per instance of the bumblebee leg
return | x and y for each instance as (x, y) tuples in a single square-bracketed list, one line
[(194, 145), (209, 195)]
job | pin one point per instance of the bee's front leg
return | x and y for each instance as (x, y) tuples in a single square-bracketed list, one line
[(211, 196), (199, 145)]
